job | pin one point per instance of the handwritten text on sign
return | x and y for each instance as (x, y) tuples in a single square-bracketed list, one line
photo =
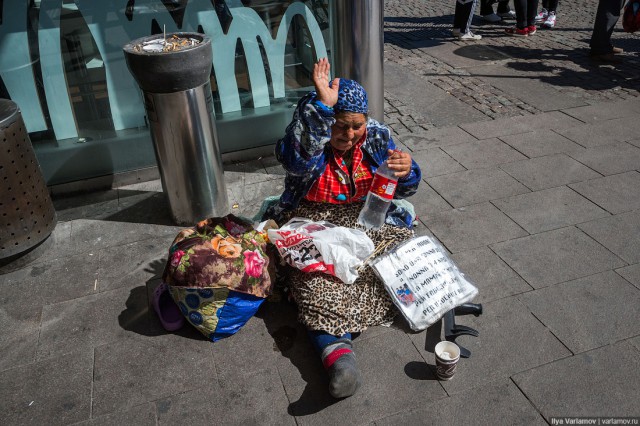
[(422, 281)]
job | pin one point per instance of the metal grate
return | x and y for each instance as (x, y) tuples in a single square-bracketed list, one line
[(27, 215)]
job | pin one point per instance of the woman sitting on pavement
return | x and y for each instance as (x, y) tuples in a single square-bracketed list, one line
[(330, 152)]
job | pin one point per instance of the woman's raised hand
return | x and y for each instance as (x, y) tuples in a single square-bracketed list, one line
[(327, 95)]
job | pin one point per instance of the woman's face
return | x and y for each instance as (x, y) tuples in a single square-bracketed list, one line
[(348, 129)]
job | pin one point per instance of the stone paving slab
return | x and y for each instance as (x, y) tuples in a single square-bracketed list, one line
[(137, 262), (472, 227), (92, 205), (493, 278), (511, 340), (589, 312), (554, 120), (54, 391), (547, 172), (631, 273), (614, 110), (620, 234), (428, 201), (86, 322), (556, 256), (610, 159), (616, 193), (88, 235), (541, 143), (132, 371), (483, 154), (497, 403), (20, 331), (549, 209), (635, 342), (141, 415), (435, 162), (601, 382), (258, 398), (475, 186), (529, 85), (603, 132), (434, 138), (48, 282), (245, 200)]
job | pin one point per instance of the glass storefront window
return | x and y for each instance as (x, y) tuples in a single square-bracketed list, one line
[(62, 63)]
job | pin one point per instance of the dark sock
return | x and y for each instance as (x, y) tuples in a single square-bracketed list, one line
[(340, 362)]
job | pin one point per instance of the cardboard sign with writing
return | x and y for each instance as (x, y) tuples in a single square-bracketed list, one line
[(423, 281)]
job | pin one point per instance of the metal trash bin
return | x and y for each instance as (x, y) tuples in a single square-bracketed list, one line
[(179, 106), (27, 215)]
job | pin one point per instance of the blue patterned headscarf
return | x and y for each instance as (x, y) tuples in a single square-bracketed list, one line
[(351, 97)]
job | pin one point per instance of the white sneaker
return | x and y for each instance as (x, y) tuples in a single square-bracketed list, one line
[(456, 33), (550, 22), (542, 15), (508, 15), (493, 18), (468, 36)]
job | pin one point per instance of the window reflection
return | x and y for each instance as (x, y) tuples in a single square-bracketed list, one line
[(89, 94)]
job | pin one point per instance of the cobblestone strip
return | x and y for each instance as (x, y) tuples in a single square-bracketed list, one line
[(557, 56)]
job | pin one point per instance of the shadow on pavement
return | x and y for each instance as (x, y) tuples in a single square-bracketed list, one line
[(139, 316), (290, 339)]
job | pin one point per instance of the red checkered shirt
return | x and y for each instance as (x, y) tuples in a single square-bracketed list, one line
[(337, 185)]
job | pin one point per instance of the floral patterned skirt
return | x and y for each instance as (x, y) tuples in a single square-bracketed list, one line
[(326, 303)]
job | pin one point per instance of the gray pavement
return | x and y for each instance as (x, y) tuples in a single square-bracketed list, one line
[(531, 160)]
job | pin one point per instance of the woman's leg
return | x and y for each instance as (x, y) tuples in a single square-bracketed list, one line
[(339, 361)]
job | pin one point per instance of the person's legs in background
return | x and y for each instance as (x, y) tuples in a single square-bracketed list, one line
[(487, 13), (606, 18), (339, 361), (504, 11), (544, 12), (521, 28), (462, 20), (551, 7), (532, 10)]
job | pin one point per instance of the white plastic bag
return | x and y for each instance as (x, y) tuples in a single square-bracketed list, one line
[(322, 247), (423, 281)]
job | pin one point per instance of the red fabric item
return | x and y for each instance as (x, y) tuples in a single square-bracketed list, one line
[(333, 185), (334, 356)]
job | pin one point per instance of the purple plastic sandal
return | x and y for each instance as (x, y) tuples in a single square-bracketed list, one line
[(170, 316)]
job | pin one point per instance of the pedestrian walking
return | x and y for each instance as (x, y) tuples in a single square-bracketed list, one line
[(606, 18), (547, 16), (462, 20), (526, 11)]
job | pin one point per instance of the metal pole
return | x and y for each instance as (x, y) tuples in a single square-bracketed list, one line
[(358, 47)]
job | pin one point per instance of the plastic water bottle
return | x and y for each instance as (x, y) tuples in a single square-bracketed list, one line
[(374, 212)]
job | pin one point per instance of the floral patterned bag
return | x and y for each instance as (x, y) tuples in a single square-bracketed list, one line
[(219, 274)]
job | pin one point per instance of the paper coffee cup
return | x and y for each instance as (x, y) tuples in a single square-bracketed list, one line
[(447, 356)]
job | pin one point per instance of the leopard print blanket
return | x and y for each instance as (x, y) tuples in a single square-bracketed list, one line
[(326, 303)]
